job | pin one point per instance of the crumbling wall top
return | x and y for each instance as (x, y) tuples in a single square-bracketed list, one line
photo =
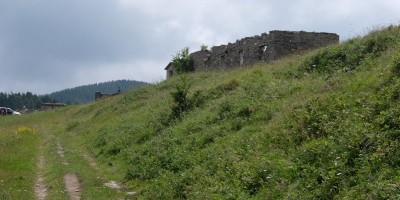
[(266, 47)]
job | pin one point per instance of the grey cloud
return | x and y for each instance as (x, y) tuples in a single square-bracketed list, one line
[(47, 45), (71, 31), (51, 40)]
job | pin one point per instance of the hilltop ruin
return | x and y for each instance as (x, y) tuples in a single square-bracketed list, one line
[(259, 48)]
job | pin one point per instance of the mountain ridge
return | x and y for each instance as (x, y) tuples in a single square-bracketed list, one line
[(85, 93)]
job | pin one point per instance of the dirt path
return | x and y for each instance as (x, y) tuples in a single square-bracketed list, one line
[(71, 180), (63, 171), (60, 152), (72, 186), (40, 187), (91, 161)]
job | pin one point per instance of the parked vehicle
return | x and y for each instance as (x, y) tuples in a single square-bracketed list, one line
[(8, 111)]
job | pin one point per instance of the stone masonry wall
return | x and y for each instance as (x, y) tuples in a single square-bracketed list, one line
[(260, 48)]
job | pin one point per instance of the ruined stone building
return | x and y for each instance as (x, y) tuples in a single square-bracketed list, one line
[(100, 95), (260, 48)]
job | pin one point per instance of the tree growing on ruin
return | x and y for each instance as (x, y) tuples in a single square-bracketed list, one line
[(203, 47), (182, 61)]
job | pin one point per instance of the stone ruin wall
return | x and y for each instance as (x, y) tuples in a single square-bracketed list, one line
[(260, 48)]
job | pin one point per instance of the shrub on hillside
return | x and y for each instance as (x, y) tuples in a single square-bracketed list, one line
[(180, 97)]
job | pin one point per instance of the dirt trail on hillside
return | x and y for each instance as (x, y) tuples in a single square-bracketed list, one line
[(60, 152), (91, 161), (71, 180), (40, 187), (72, 186)]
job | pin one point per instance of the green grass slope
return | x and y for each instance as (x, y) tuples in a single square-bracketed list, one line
[(17, 172), (325, 125)]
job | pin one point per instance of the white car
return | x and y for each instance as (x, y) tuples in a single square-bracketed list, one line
[(8, 111)]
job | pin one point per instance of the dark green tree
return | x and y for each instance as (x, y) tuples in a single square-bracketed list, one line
[(23, 100), (182, 61)]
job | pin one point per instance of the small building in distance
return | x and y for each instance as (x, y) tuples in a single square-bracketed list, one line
[(99, 95), (50, 106), (259, 48)]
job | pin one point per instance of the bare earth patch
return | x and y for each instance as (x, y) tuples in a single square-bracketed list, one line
[(72, 186), (40, 187), (113, 185), (60, 152), (91, 161)]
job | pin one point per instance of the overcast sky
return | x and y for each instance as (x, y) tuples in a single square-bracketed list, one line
[(50, 45)]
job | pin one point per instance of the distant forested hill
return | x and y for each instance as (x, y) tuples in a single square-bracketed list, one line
[(20, 100), (84, 94)]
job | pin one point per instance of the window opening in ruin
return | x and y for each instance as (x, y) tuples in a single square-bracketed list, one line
[(241, 57), (171, 73), (265, 48)]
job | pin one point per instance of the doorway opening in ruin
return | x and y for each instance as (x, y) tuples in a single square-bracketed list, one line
[(262, 52)]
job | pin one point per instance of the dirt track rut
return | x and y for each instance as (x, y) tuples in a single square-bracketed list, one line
[(40, 187), (72, 186)]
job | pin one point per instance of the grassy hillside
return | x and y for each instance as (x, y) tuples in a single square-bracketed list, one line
[(325, 125)]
